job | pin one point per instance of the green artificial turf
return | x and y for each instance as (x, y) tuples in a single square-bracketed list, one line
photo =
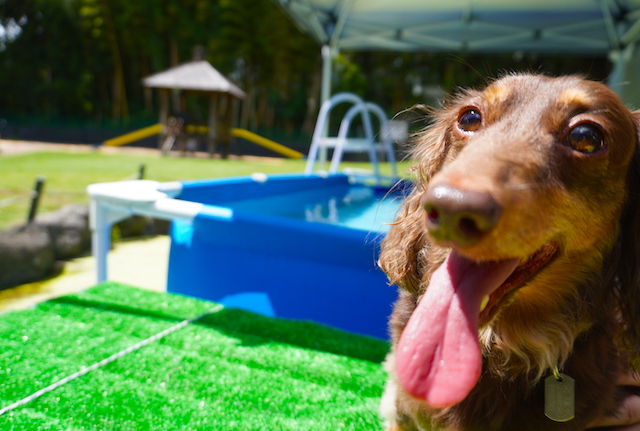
[(231, 370)]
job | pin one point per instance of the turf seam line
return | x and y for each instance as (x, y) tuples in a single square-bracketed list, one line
[(108, 360)]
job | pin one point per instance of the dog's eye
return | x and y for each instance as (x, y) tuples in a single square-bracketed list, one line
[(470, 120), (586, 138)]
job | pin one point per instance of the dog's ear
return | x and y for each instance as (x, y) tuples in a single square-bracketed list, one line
[(403, 254), (432, 146), (627, 268), (400, 256)]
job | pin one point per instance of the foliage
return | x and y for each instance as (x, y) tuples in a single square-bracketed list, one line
[(85, 59), (406, 79)]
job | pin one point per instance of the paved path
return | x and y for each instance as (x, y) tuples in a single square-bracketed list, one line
[(10, 147)]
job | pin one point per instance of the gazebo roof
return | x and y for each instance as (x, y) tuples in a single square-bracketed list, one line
[(195, 75)]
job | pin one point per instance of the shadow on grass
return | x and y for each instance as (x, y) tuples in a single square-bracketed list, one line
[(254, 329)]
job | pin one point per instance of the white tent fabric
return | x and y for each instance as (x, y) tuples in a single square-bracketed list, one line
[(478, 26), (550, 26)]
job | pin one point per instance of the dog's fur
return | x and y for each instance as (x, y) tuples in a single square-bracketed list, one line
[(580, 312)]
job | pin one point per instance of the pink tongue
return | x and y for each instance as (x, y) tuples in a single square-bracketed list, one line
[(438, 358)]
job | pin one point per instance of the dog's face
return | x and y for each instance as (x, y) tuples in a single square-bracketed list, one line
[(525, 184), (533, 164), (560, 144)]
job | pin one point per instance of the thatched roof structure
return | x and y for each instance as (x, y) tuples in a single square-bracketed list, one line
[(195, 75)]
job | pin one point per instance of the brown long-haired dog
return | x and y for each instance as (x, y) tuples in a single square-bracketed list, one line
[(518, 258)]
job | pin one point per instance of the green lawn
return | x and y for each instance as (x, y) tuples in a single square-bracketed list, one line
[(68, 174), (230, 370)]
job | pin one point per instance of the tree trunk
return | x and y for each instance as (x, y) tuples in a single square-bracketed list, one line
[(312, 103), (120, 108)]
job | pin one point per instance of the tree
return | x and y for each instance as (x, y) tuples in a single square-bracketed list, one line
[(84, 59)]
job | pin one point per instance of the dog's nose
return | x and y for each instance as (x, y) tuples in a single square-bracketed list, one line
[(459, 216)]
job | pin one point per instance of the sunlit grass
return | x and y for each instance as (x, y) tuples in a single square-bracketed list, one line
[(69, 174)]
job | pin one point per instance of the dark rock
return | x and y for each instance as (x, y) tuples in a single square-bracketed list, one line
[(142, 226), (133, 226), (26, 254), (69, 229), (158, 227)]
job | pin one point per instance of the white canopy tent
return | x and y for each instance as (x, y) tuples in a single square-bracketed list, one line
[(584, 27)]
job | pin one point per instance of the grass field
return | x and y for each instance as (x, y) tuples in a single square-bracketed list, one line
[(229, 370), (68, 174)]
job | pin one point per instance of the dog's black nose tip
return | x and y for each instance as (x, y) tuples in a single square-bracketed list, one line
[(459, 216)]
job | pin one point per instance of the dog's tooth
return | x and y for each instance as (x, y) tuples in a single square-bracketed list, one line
[(484, 303)]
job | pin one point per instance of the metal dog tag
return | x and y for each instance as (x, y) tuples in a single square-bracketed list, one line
[(559, 397)]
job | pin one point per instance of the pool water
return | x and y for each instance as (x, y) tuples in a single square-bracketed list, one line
[(355, 207), (292, 246)]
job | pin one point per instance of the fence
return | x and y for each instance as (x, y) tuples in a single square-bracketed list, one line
[(34, 196)]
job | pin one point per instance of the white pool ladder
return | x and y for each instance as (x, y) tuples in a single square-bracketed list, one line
[(375, 144)]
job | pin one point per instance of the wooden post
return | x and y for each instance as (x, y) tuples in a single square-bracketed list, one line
[(212, 123), (35, 200), (224, 126), (164, 115), (235, 121)]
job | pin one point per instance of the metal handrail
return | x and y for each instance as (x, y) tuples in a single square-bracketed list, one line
[(320, 142)]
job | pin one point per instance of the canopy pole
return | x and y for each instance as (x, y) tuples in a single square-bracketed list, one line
[(624, 76), (325, 94), (327, 63)]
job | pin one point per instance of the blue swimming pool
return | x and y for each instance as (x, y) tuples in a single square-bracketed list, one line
[(293, 246), (351, 206)]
